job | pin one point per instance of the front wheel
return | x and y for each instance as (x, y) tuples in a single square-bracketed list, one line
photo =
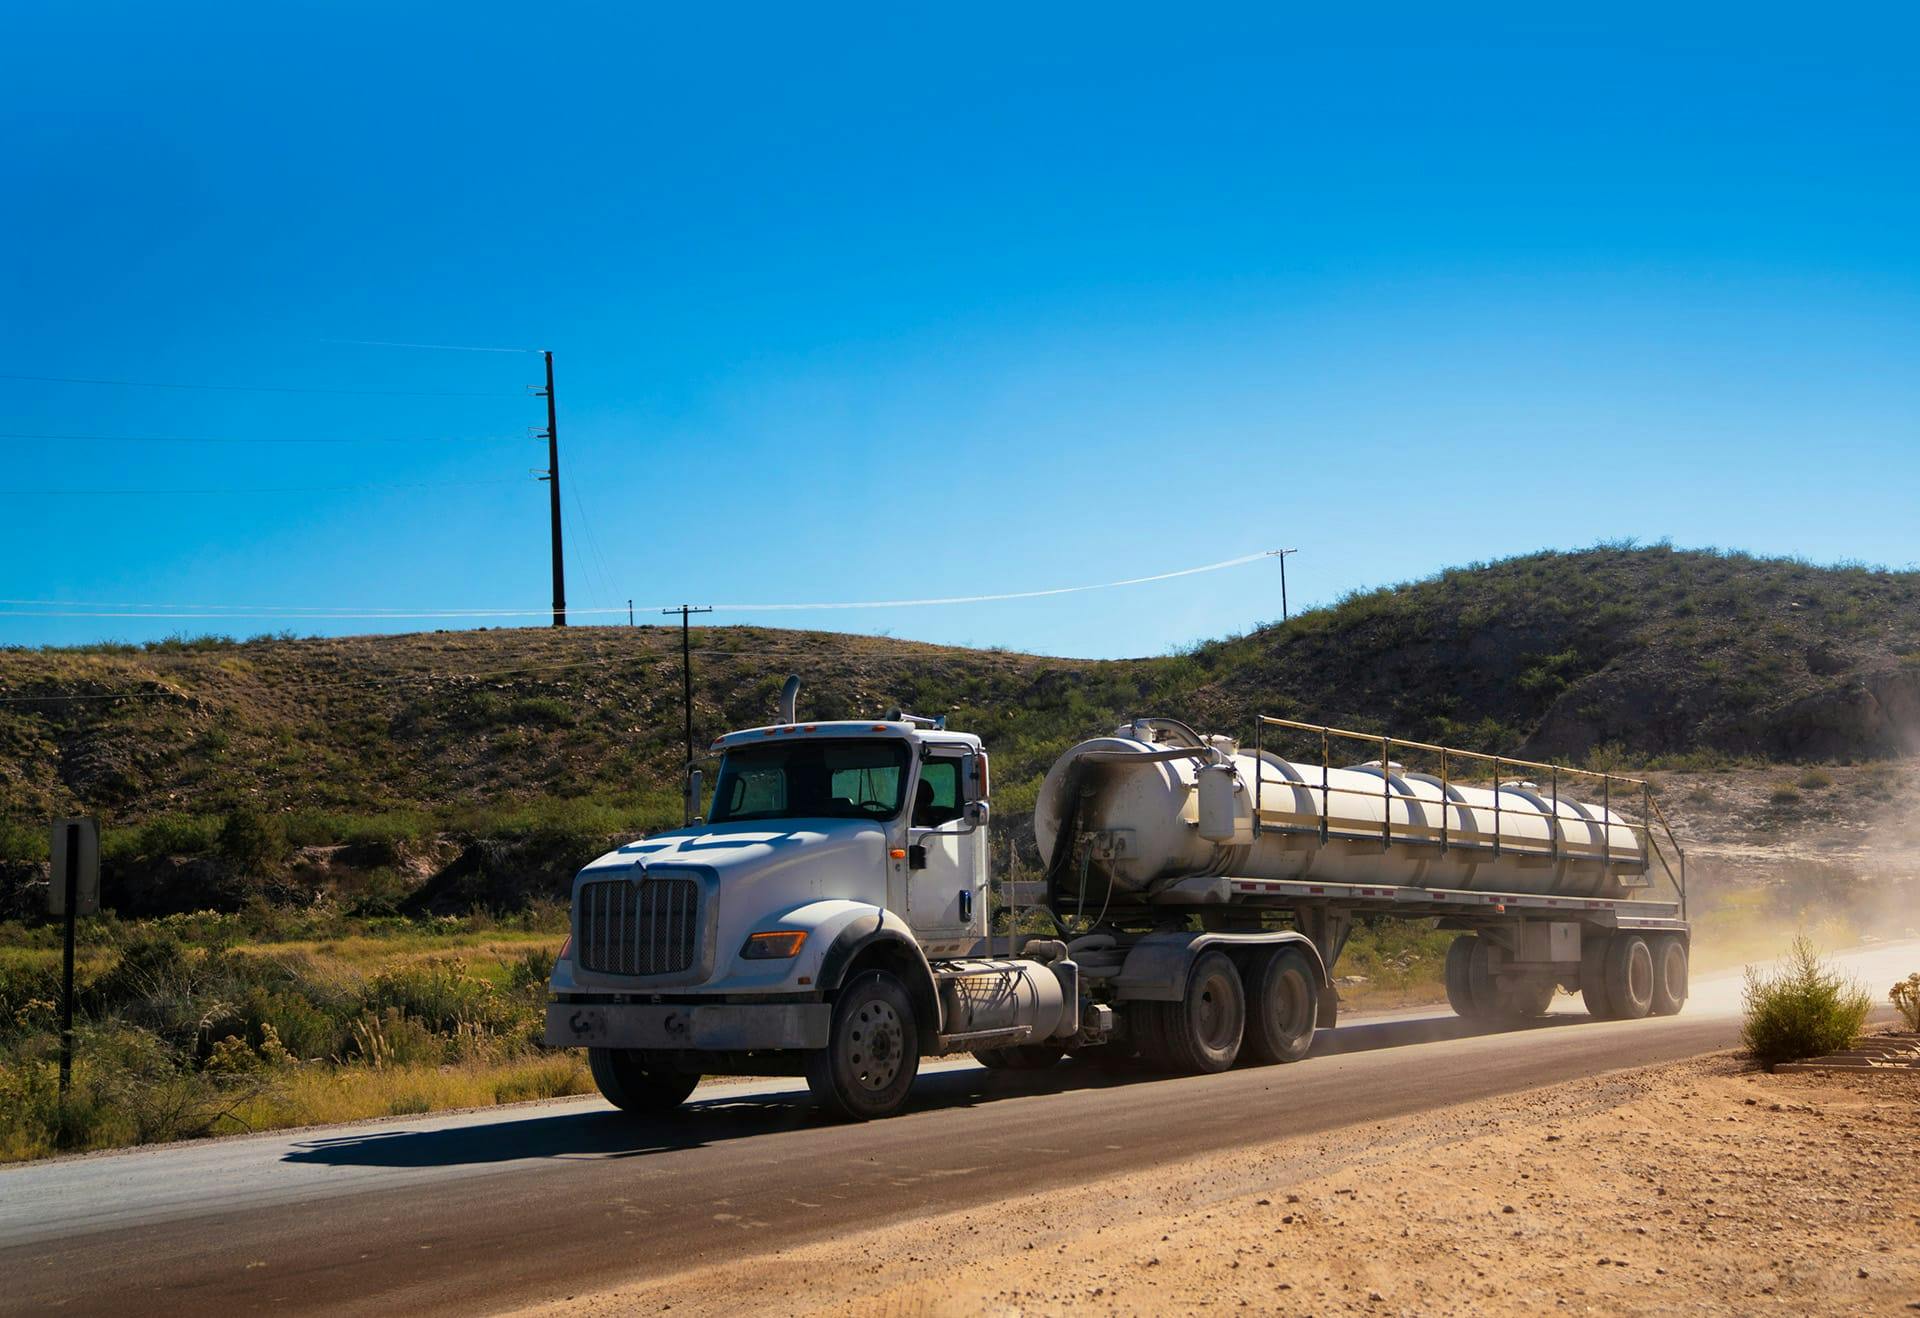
[(631, 1083), (872, 1052)]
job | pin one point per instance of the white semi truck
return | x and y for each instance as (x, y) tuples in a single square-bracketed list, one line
[(830, 916)]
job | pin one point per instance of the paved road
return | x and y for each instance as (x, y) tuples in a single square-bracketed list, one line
[(484, 1211)]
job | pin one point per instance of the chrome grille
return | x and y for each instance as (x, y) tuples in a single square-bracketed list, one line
[(645, 928)]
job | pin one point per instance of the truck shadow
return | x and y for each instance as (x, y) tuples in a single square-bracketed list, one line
[(783, 1106)]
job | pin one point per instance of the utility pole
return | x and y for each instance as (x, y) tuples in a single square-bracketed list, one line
[(686, 671), (629, 613), (552, 478), (1281, 554)]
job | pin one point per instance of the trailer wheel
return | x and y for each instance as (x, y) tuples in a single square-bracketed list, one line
[(1202, 1032), (1459, 982), (1593, 976), (1669, 975), (626, 1080), (1283, 1006), (872, 1052), (1019, 1057), (1629, 976), (1529, 998)]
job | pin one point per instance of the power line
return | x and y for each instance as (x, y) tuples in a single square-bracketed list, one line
[(324, 612), (275, 439), (253, 388), (252, 490), (435, 347)]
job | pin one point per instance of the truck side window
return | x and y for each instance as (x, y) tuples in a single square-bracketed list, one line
[(937, 799)]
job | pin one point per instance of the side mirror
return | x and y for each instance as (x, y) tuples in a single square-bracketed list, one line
[(975, 813), (695, 782)]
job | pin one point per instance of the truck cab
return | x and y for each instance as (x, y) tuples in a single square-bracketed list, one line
[(830, 851)]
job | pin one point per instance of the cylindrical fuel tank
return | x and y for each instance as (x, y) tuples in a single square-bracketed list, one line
[(1001, 995), (1160, 811)]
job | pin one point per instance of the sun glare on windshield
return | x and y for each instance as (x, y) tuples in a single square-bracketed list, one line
[(812, 780)]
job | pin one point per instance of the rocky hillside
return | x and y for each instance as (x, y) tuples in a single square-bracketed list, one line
[(400, 755)]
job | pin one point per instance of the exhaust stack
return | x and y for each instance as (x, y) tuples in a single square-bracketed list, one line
[(789, 697)]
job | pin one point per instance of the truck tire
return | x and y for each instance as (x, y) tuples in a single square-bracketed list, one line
[(1593, 975), (1669, 974), (1019, 1057), (1488, 1002), (1528, 999), (626, 1080), (1629, 976), (1283, 1006), (872, 1052), (1459, 987), (1201, 1033)]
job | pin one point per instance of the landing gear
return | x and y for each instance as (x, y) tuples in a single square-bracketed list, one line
[(872, 1052), (633, 1083)]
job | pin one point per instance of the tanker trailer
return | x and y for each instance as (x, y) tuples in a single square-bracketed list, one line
[(1158, 828)]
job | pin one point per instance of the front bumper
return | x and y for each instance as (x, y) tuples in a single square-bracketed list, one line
[(716, 1027)]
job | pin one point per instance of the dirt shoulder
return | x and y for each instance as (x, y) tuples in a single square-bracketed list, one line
[(1700, 1187)]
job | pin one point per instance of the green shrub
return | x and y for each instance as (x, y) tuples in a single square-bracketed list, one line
[(1804, 1010), (1815, 778), (1784, 794), (441, 995), (19, 841), (250, 840), (1906, 999)]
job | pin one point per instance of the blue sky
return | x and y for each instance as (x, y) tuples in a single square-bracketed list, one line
[(877, 305)]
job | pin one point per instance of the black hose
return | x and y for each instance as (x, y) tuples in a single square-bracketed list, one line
[(1062, 855)]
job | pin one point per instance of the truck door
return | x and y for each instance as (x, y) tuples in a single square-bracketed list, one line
[(947, 869)]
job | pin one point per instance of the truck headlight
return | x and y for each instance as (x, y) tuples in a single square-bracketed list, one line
[(773, 945)]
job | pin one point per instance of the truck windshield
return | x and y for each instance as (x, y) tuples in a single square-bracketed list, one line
[(863, 779)]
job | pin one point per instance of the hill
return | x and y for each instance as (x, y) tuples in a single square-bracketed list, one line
[(446, 767)]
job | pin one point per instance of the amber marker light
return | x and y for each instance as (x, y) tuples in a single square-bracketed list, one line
[(773, 945), (898, 853)]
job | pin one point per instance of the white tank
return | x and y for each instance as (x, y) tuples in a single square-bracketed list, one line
[(1159, 816)]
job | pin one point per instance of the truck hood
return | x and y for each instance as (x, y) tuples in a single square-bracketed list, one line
[(762, 849)]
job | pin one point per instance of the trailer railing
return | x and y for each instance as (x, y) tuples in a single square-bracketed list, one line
[(1454, 829)]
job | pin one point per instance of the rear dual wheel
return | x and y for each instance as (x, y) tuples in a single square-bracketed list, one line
[(1474, 992), (1270, 1016), (1669, 974), (1203, 1031), (1627, 976), (1283, 1006)]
